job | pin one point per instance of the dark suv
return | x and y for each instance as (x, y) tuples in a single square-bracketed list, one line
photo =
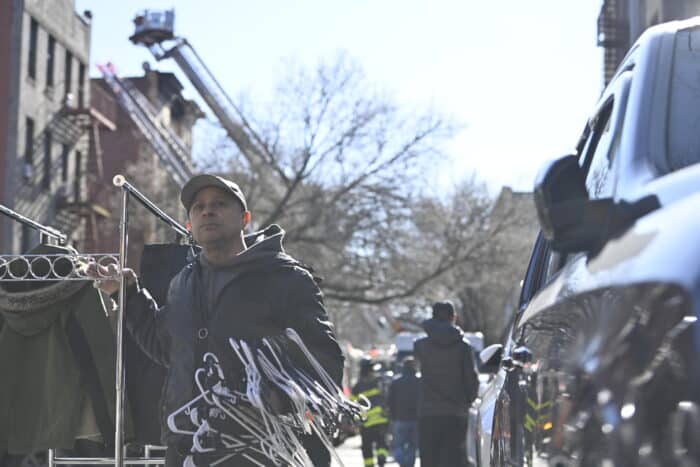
[(602, 363)]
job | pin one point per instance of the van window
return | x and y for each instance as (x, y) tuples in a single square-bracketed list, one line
[(596, 157), (599, 181)]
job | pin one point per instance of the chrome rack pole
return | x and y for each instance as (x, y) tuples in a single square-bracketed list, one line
[(120, 181), (119, 380), (127, 190), (44, 230)]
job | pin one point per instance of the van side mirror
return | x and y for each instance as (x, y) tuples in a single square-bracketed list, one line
[(560, 199), (572, 222), (490, 358)]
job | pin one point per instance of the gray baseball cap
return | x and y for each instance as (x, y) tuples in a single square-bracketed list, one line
[(196, 183)]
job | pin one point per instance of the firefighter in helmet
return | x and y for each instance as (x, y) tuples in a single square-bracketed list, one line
[(374, 426)]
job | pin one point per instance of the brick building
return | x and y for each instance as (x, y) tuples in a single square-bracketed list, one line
[(127, 151), (46, 119)]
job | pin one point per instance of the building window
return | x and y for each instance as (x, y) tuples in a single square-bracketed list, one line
[(33, 37), (65, 155), (50, 60), (28, 148), (68, 74), (78, 175), (81, 85), (46, 172)]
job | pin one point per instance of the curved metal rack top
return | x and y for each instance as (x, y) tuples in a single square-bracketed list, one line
[(63, 266), (120, 181), (50, 231)]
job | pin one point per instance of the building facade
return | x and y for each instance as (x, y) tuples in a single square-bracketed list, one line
[(127, 151), (621, 22), (46, 118)]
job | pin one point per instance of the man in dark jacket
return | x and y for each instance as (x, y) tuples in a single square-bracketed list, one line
[(245, 287), (449, 385), (374, 426), (402, 402)]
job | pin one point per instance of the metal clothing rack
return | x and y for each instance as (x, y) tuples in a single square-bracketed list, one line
[(40, 267), (78, 271), (127, 191)]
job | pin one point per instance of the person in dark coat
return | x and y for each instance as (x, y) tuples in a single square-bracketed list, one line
[(449, 385), (402, 402), (374, 427), (245, 287)]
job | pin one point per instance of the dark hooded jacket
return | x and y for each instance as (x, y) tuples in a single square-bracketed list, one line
[(449, 380), (403, 397), (260, 293)]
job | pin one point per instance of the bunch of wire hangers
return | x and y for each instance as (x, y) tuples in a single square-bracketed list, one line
[(282, 400)]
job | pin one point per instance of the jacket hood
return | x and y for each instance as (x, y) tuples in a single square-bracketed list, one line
[(30, 312), (263, 249), (442, 332)]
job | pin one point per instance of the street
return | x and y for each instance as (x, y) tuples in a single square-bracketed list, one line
[(351, 455)]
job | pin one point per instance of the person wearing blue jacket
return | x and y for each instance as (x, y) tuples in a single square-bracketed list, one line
[(402, 402)]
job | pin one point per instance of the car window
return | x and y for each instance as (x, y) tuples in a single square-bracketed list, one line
[(683, 142), (536, 270), (596, 157), (603, 145)]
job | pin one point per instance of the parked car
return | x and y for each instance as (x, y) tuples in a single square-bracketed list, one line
[(481, 411), (602, 363)]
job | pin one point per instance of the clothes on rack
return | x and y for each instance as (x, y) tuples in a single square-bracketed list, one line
[(57, 361)]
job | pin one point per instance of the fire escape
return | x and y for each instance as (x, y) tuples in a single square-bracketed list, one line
[(40, 196), (613, 35), (171, 151)]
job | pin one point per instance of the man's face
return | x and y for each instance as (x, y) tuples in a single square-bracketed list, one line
[(216, 217)]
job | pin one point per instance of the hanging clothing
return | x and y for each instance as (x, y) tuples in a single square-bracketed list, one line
[(57, 361)]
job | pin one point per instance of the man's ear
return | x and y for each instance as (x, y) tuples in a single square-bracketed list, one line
[(246, 218)]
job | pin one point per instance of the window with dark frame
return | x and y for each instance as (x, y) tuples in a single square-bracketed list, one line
[(50, 61), (81, 85), (33, 38), (28, 140), (78, 176), (65, 155), (46, 172), (68, 73)]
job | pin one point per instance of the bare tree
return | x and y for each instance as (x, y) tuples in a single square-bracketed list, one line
[(339, 166)]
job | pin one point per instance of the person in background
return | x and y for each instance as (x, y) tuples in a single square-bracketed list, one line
[(449, 384), (402, 402), (374, 427)]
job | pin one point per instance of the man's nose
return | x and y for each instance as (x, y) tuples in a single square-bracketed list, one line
[(208, 210)]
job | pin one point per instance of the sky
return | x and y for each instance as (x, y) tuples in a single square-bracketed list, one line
[(520, 77)]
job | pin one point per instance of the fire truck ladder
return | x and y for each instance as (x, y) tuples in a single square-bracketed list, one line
[(167, 145), (153, 29)]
